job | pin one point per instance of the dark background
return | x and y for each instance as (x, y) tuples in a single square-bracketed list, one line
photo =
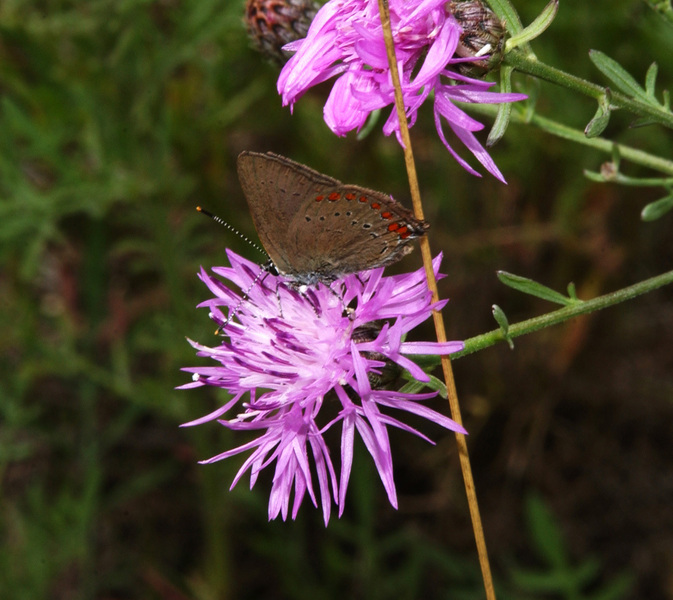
[(116, 119)]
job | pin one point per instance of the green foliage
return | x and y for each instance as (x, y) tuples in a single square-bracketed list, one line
[(528, 286), (559, 577), (502, 320), (355, 559), (657, 209), (105, 108), (536, 28), (623, 81)]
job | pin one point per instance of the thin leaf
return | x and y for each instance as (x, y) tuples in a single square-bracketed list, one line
[(545, 533), (657, 209), (372, 119), (538, 582), (593, 176), (619, 76), (642, 122), (438, 385), (616, 589), (651, 79), (504, 109), (507, 13), (413, 386), (501, 318), (535, 29), (533, 288), (600, 120)]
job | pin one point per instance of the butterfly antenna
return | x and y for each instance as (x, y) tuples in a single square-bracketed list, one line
[(226, 225), (267, 267)]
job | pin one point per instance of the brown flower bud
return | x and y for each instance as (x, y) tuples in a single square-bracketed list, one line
[(483, 33), (274, 23)]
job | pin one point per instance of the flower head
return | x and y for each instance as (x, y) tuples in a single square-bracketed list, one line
[(298, 364), (345, 40)]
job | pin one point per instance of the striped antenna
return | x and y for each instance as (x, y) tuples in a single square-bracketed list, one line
[(267, 267), (226, 225)]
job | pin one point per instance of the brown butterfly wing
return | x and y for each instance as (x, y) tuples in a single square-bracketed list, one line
[(347, 228), (315, 228), (276, 189)]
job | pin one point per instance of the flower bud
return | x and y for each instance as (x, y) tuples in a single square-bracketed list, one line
[(274, 23), (483, 33)]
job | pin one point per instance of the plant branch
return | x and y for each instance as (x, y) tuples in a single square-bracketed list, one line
[(563, 314), (575, 135), (532, 66)]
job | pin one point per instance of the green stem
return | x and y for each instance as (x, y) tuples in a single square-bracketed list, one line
[(530, 65), (626, 152), (575, 135), (563, 314), (632, 181)]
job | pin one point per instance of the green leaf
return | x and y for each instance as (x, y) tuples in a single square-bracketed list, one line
[(501, 318), (642, 122), (504, 109), (651, 79), (371, 122), (528, 286), (593, 176), (616, 589), (601, 119), (545, 533), (657, 209), (438, 385), (535, 29), (584, 573), (537, 582), (413, 386), (619, 76), (507, 13)]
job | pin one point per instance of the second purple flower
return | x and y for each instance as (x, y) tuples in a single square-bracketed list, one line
[(345, 40)]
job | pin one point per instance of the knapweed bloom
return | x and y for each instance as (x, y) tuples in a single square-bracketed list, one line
[(297, 365), (345, 40)]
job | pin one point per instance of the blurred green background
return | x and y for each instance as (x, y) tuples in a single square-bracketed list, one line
[(118, 117)]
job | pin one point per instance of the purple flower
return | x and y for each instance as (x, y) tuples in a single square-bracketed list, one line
[(285, 350), (346, 40)]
